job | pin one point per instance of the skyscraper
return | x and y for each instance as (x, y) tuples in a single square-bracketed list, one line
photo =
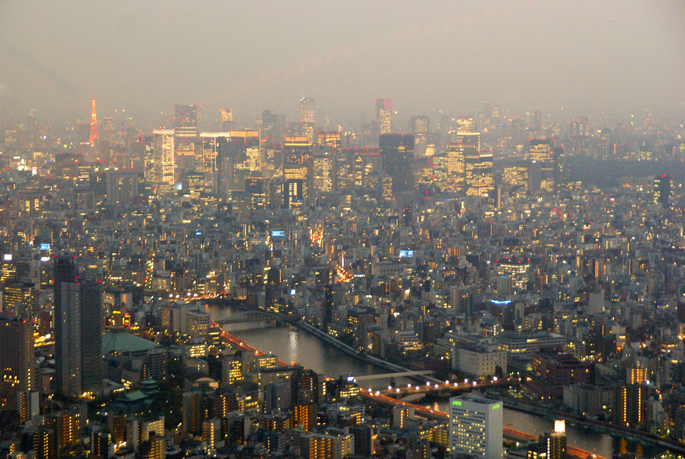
[(185, 136), (478, 165), (542, 151), (227, 123), (476, 426), (163, 166), (16, 360), (297, 154), (384, 115), (307, 108), (420, 127), (662, 189), (397, 159), (78, 331), (210, 152), (455, 166)]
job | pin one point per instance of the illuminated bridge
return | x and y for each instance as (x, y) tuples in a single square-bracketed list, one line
[(258, 316), (392, 375), (445, 387), (437, 415)]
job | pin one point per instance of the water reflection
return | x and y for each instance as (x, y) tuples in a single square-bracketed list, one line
[(292, 344)]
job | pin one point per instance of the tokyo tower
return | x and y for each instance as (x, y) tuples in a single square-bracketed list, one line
[(93, 124)]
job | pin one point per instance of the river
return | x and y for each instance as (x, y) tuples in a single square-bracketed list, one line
[(292, 344)]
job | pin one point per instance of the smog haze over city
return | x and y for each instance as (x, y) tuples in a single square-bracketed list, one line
[(342, 230), (451, 55)]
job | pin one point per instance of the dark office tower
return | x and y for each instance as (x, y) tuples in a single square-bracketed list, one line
[(629, 405), (420, 127), (397, 159), (16, 360), (384, 115), (64, 273), (185, 136), (407, 214), (108, 131), (662, 189), (78, 331), (562, 174), (537, 121), (209, 142), (91, 335), (363, 440), (542, 152), (297, 155), (269, 125), (307, 107), (237, 157)]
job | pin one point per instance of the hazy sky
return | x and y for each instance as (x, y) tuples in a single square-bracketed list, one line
[(250, 55)]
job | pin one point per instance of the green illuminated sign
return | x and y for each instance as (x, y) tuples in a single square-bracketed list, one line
[(456, 402), (494, 407)]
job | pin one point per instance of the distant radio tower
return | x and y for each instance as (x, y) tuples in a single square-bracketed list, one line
[(93, 124)]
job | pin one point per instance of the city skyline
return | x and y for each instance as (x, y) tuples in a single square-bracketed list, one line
[(578, 55)]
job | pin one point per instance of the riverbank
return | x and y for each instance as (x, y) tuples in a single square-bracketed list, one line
[(328, 339), (611, 429)]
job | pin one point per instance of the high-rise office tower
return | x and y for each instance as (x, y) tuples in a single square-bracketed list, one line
[(384, 115), (478, 165), (238, 156), (420, 127), (297, 154), (325, 166), (21, 297), (397, 159), (662, 189), (465, 124), (163, 166), (542, 152), (109, 130), (210, 151), (537, 121), (93, 124), (476, 426), (16, 360), (270, 126), (78, 331), (227, 122), (307, 107), (185, 136), (323, 169), (562, 173), (455, 166)]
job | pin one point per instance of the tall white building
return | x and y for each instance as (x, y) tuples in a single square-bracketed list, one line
[(476, 427), (164, 161)]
